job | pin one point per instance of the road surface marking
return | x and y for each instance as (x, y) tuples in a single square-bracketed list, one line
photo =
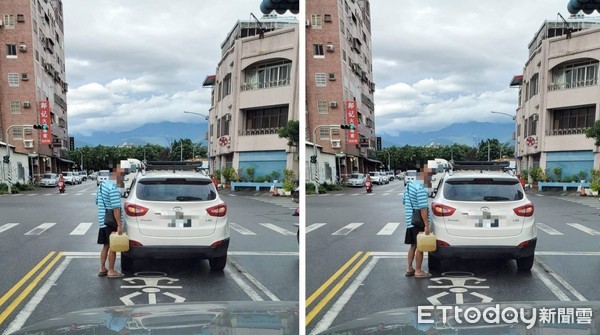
[(389, 228), (26, 312), (78, 194), (584, 228), (32, 195), (560, 294), (311, 315), (563, 282), (314, 226), (348, 229), (28, 289), (341, 302), (277, 229), (242, 284), (337, 195), (40, 229), (331, 279), (254, 281), (240, 229), (82, 228), (17, 194), (20, 283), (7, 226), (547, 229)]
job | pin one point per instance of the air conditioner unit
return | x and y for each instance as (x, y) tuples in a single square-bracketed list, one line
[(333, 104), (331, 76), (24, 76), (22, 47), (330, 47), (308, 23), (26, 104), (28, 143), (227, 117), (20, 18), (336, 144)]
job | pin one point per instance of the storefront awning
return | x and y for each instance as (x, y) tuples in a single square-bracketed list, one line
[(65, 160), (373, 160), (517, 80)]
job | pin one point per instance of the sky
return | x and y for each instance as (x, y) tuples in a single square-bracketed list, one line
[(135, 62), (440, 62)]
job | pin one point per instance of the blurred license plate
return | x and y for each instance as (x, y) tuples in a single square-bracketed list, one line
[(180, 223), (487, 223)]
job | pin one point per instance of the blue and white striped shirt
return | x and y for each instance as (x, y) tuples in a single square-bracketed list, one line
[(415, 196), (109, 195)]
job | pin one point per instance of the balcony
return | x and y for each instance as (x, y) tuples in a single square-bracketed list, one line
[(573, 84), (567, 131), (263, 85), (261, 131)]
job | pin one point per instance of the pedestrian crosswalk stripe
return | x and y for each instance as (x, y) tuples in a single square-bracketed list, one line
[(584, 228), (7, 226), (81, 229), (240, 229), (277, 229), (348, 229), (547, 229), (389, 228), (31, 195), (314, 226), (41, 228)]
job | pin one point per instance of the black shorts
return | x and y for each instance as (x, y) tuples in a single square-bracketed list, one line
[(411, 235), (104, 235)]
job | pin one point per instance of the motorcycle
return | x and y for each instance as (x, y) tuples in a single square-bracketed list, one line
[(61, 187), (369, 186)]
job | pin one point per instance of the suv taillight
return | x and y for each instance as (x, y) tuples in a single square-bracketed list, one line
[(219, 210), (135, 210), (442, 210), (525, 210)]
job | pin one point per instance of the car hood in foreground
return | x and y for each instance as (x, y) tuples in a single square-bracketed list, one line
[(184, 318), (554, 317)]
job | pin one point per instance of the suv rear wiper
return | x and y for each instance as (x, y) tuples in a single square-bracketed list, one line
[(187, 198), (494, 198)]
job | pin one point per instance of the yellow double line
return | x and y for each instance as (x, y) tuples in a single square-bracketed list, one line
[(311, 315), (15, 303)]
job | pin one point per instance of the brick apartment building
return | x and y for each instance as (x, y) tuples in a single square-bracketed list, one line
[(339, 87), (33, 86)]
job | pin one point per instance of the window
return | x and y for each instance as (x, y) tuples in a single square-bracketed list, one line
[(316, 21), (226, 88), (267, 75), (321, 79), (13, 79), (11, 50), (224, 125), (322, 107), (533, 85), (483, 190), (344, 55), (324, 133), (327, 17), (267, 118), (318, 51), (17, 133), (574, 118), (15, 107), (9, 21), (176, 189), (574, 75)]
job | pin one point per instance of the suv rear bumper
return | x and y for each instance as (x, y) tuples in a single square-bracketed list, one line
[(168, 251), (486, 252)]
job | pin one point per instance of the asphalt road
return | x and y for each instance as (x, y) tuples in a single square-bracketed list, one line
[(50, 258), (356, 258)]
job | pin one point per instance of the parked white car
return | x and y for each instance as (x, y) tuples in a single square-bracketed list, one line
[(49, 180), (482, 214), (357, 180)]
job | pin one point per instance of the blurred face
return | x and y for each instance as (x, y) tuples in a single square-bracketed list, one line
[(117, 175), (424, 175)]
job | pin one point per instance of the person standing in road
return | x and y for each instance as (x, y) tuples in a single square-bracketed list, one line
[(108, 196), (415, 197)]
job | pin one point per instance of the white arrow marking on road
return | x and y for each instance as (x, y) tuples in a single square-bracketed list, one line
[(277, 229), (240, 229), (547, 229), (389, 228), (348, 229), (81, 229), (314, 226), (484, 298), (40, 229), (584, 229), (127, 299), (434, 299), (7, 226), (175, 296)]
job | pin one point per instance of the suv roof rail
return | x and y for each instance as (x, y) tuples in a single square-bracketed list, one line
[(478, 165), (175, 166)]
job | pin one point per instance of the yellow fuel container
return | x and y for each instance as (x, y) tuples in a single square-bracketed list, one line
[(119, 243), (426, 243)]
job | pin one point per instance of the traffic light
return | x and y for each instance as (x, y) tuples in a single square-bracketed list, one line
[(40, 126), (6, 159), (348, 126), (313, 159), (587, 6)]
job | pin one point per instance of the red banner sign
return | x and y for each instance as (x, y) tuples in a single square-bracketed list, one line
[(351, 116), (45, 120)]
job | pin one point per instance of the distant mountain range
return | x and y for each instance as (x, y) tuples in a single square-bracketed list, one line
[(161, 133)]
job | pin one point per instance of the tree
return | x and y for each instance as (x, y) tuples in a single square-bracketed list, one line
[(594, 132), (291, 131)]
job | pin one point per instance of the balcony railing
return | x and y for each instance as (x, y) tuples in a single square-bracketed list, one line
[(573, 84), (566, 131), (266, 84), (261, 131)]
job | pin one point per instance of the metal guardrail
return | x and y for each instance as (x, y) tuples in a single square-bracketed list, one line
[(266, 84), (567, 131), (261, 131), (573, 84)]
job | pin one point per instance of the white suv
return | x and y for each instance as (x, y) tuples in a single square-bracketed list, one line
[(175, 214), (480, 211)]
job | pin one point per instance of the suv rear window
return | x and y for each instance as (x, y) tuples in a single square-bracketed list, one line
[(483, 189), (356, 176), (104, 173), (175, 189)]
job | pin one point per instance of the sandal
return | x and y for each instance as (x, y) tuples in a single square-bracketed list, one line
[(102, 273), (409, 273), (423, 275), (116, 275)]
